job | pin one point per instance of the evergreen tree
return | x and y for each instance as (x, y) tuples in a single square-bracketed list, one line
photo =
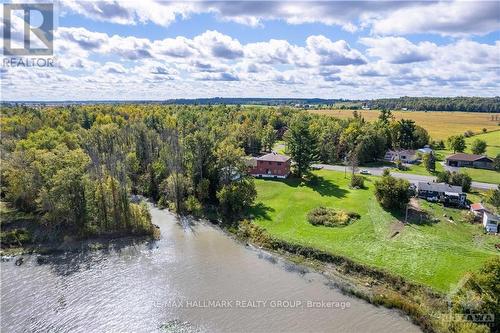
[(301, 143)]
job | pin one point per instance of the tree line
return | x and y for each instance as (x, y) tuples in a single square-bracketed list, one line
[(468, 104), (76, 167)]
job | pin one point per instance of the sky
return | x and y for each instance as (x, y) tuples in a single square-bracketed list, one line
[(155, 50)]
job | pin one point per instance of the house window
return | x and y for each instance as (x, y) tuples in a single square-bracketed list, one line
[(269, 162), (279, 163)]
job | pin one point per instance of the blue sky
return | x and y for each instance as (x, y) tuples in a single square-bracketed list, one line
[(160, 50)]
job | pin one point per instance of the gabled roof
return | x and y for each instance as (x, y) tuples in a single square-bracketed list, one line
[(402, 151), (467, 157), (439, 187), (274, 157), (477, 206)]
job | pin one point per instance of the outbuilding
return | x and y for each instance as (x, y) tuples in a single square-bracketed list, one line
[(469, 160), (478, 209), (491, 222)]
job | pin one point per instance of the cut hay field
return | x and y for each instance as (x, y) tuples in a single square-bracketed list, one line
[(440, 125), (434, 254)]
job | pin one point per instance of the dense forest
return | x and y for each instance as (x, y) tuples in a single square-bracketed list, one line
[(76, 168), (469, 104)]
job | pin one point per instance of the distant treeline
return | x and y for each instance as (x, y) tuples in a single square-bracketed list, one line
[(469, 104)]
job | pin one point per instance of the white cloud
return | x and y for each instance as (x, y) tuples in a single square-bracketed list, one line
[(398, 50), (336, 53), (384, 18), (98, 65), (456, 18), (218, 45)]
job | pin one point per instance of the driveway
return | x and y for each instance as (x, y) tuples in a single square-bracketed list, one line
[(408, 176)]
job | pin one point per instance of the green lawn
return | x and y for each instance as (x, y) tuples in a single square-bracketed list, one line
[(491, 138), (435, 254), (280, 147), (419, 169)]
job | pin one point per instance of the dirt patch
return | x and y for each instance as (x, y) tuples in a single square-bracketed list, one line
[(396, 228), (415, 204)]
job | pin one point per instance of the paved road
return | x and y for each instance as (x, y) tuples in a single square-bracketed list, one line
[(408, 176)]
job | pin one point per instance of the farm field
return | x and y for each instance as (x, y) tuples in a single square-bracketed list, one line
[(440, 125), (491, 138), (434, 254)]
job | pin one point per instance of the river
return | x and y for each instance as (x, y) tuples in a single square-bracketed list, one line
[(194, 279)]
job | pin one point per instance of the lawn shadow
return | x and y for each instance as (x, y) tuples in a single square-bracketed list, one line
[(324, 187), (260, 210), (290, 181), (415, 217)]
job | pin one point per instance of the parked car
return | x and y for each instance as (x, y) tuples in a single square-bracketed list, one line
[(365, 172)]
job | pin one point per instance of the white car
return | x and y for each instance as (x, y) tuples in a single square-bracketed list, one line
[(365, 172)]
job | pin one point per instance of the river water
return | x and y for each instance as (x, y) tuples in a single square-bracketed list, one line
[(194, 279)]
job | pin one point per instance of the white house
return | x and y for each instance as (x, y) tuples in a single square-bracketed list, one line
[(491, 222), (404, 155)]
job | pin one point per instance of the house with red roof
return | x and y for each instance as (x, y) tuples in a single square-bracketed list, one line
[(272, 165)]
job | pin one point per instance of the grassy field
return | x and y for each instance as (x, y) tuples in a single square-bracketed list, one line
[(440, 125), (435, 254), (491, 138), (480, 175)]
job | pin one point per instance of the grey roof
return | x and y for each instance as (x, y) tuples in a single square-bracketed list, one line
[(274, 157), (439, 187), (467, 157)]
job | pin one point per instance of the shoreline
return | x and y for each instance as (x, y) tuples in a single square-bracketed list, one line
[(421, 305), (89, 244)]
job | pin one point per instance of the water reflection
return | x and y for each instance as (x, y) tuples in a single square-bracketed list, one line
[(132, 287)]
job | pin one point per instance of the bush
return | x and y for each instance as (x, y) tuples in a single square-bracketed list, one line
[(235, 197), (392, 193), (480, 293), (357, 181), (15, 237), (468, 133), (455, 178), (438, 144), (429, 162), (329, 217), (193, 206), (400, 165), (443, 177), (493, 198), (468, 217), (461, 179)]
